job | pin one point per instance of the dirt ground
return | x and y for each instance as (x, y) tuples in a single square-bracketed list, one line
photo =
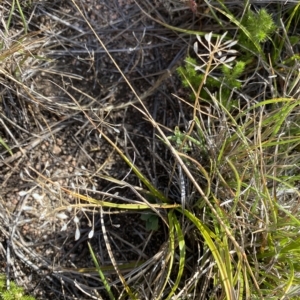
[(43, 238)]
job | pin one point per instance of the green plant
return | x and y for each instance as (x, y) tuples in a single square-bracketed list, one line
[(255, 28), (101, 275), (246, 141), (151, 221), (191, 78), (231, 75), (14, 292), (228, 78), (260, 26), (17, 2)]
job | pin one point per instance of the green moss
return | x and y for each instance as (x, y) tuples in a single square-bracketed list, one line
[(14, 293)]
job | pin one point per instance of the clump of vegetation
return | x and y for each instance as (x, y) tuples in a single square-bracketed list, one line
[(247, 136), (228, 78), (14, 292), (260, 26), (255, 28)]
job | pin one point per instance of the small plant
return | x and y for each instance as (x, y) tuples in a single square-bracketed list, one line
[(191, 78), (228, 78), (260, 25), (231, 75), (151, 221), (220, 71), (14, 293), (218, 56)]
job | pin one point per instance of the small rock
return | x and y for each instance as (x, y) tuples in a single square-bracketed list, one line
[(56, 149)]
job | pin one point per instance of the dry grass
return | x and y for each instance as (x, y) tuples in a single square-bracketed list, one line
[(221, 187)]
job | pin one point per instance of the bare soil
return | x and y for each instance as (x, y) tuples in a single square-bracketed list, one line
[(55, 145)]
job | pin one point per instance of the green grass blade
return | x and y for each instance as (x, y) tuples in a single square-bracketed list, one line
[(278, 51), (181, 244), (22, 17), (289, 282), (10, 13), (240, 279), (21, 14), (229, 291), (171, 251), (101, 275), (5, 146)]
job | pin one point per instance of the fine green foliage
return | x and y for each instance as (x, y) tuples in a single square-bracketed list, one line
[(191, 78), (228, 78), (260, 25), (255, 28), (232, 74), (14, 292)]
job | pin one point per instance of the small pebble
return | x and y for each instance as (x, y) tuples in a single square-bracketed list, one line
[(56, 149)]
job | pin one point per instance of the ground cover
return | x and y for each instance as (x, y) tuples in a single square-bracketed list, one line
[(150, 150)]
